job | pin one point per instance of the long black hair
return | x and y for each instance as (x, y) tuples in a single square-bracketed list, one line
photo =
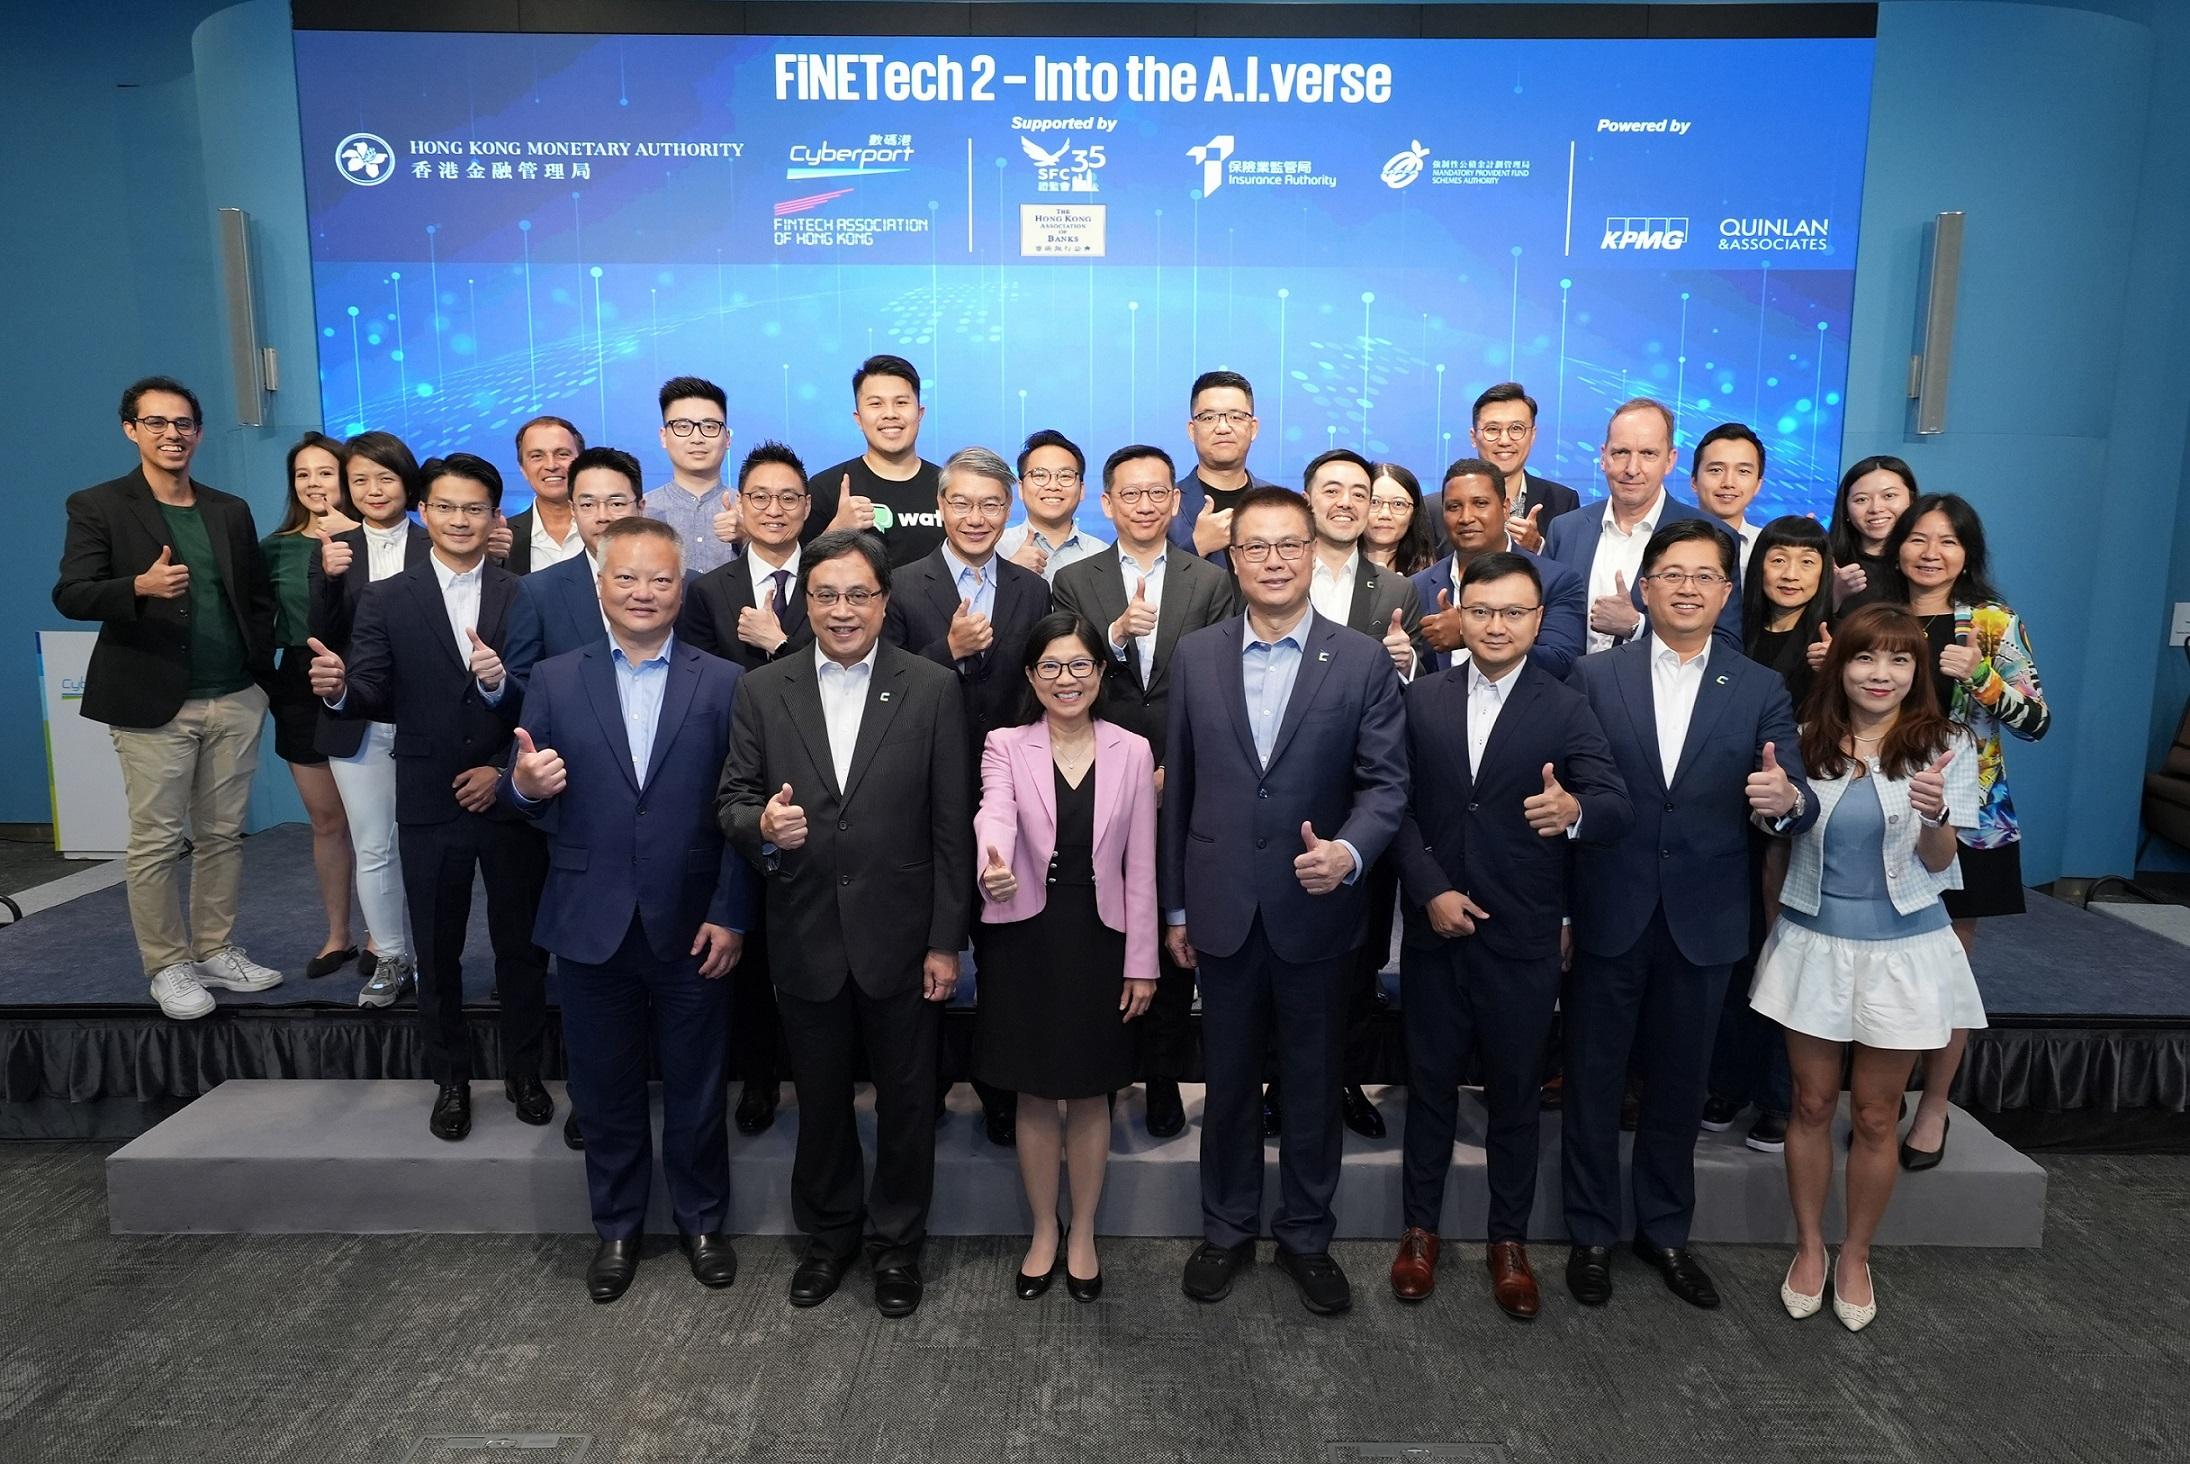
[(1415, 549), (1847, 540), (295, 517), (1054, 626), (1792, 531), (1975, 586)]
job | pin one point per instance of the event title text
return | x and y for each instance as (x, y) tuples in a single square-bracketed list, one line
[(842, 76)]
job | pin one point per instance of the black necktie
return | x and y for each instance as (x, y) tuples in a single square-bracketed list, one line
[(789, 613)]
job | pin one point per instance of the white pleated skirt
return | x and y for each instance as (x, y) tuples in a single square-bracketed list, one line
[(1906, 994)]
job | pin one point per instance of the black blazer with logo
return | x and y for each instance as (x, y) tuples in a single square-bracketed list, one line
[(1196, 592), (334, 611)]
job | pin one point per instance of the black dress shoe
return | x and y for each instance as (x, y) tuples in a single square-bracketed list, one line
[(714, 1263), (614, 1264), (897, 1290), (816, 1279), (1211, 1268), (1684, 1274), (1360, 1114), (1086, 1290), (1028, 1288), (1273, 1112), (1001, 1121), (326, 963), (1719, 1113), (1324, 1289), (530, 1099), (757, 1107), (1166, 1111), (572, 1139), (1916, 1161), (1589, 1274), (451, 1118)]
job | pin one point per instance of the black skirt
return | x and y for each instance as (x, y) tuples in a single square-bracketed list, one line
[(295, 709), (1992, 883)]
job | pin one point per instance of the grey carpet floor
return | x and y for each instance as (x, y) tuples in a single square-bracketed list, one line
[(341, 1349)]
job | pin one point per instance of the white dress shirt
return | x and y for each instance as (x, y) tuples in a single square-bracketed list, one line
[(763, 577), (1747, 533), (547, 551), (384, 550), (1673, 687), (460, 598), (1330, 590), (1620, 553), (1074, 546), (843, 703), (1135, 578), (1486, 699)]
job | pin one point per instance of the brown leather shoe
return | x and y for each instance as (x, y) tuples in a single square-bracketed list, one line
[(1512, 1283), (1414, 1270)]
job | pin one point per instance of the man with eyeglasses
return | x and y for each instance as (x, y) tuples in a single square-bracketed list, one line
[(1051, 471), (1146, 598), (847, 787), (1221, 424), (889, 489), (1726, 471), (545, 534), (1504, 432), (696, 436), (1286, 777), (1603, 541), (171, 570), (426, 653), (968, 608), (1704, 739), (1510, 766), (1476, 523)]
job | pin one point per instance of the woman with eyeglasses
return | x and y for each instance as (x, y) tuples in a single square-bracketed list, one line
[(1862, 968), (1398, 536), (1065, 841), (1872, 495)]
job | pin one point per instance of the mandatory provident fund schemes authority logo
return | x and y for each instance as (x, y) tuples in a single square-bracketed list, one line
[(365, 158)]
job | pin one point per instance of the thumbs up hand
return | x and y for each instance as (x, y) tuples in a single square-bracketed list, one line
[(761, 626), (970, 632), (1212, 528), (1961, 659), (1614, 614), (1771, 792), (499, 541), (1442, 629), (538, 772), (997, 881), (1928, 790), (1398, 647), (782, 822), (1821, 647), (165, 580), (328, 677), (334, 555), (1553, 811), (1849, 579), (727, 526), (1324, 863), (1030, 555), (486, 666), (852, 510), (1139, 618), (1528, 530)]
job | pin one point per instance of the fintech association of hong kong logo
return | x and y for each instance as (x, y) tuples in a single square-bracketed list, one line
[(365, 158)]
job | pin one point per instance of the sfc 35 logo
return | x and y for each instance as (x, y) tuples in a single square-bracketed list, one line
[(1064, 168), (1667, 234), (365, 158)]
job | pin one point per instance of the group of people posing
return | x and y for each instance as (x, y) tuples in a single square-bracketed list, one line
[(760, 764)]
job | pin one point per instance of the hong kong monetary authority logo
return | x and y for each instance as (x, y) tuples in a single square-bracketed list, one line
[(365, 158)]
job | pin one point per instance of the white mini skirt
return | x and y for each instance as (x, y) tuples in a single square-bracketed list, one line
[(1905, 994)]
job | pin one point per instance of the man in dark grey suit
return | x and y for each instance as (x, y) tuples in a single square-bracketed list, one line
[(847, 787), (1146, 597)]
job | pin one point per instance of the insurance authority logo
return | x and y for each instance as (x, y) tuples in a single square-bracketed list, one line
[(365, 158)]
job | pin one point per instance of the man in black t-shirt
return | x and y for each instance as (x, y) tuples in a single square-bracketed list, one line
[(1221, 421), (889, 488)]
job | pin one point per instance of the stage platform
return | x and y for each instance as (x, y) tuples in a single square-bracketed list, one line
[(2089, 1043), (354, 1157)]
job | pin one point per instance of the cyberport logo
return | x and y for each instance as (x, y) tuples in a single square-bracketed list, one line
[(1064, 168), (365, 158), (825, 159), (72, 688), (1665, 234)]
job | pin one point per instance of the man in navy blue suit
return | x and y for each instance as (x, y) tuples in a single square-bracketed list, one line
[(1603, 541), (1705, 742), (566, 597), (1504, 432), (646, 902), (1510, 768), (1286, 774), (1474, 511)]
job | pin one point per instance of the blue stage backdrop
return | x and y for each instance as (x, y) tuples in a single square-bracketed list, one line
[(1062, 233)]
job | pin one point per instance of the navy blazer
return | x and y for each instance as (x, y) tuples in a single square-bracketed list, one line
[(1231, 828), (1192, 495), (1572, 540), (1557, 499), (1466, 831), (566, 613), (923, 598), (1689, 846), (404, 668), (1561, 635), (334, 611), (683, 873)]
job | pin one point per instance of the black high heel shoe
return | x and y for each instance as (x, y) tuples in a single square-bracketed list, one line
[(1029, 1288), (1076, 1288), (1916, 1161)]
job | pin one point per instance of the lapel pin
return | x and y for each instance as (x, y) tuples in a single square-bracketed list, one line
[(1323, 655), (1722, 681), (884, 696)]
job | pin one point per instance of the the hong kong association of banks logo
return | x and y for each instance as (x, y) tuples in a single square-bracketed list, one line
[(365, 158)]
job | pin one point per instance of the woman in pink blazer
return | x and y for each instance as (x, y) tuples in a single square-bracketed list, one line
[(1066, 843)]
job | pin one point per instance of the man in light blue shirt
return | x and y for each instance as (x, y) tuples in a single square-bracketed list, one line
[(1052, 478)]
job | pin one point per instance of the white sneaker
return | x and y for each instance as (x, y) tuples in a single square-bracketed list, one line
[(180, 995), (231, 970)]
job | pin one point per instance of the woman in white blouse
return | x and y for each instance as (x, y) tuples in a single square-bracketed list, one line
[(1864, 956)]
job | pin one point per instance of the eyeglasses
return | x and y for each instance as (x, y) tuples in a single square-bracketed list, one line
[(183, 426), (459, 510), (1037, 477), (1388, 505), (1254, 551), (1680, 579), (858, 599), (621, 503), (1135, 497), (765, 501), (1229, 419), (1079, 668), (1502, 431), (708, 427), (986, 507), (1510, 614)]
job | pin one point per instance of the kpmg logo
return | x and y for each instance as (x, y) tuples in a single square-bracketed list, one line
[(1211, 155), (1666, 234), (1403, 168), (365, 158)]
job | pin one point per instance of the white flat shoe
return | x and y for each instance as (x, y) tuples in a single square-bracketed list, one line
[(1856, 1318), (1799, 1304)]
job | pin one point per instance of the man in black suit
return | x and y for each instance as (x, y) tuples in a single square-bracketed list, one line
[(1509, 766), (1504, 432), (544, 534), (1286, 776), (968, 608), (426, 654), (1146, 597), (171, 571), (847, 787)]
